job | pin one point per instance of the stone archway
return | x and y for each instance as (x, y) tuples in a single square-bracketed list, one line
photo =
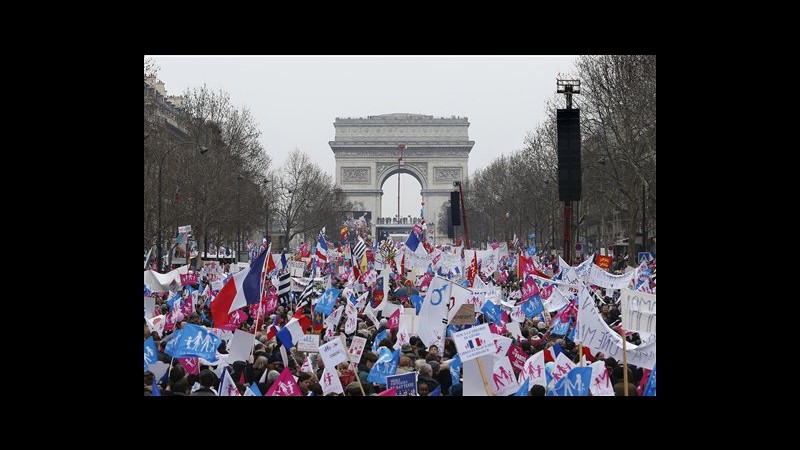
[(436, 153)]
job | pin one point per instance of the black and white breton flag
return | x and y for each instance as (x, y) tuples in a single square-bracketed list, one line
[(284, 284), (307, 291), (358, 250)]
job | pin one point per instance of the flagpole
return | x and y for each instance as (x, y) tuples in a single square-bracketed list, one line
[(580, 354), (485, 381), (170, 367), (260, 297)]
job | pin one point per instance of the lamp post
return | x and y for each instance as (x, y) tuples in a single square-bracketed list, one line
[(400, 166), (266, 211), (645, 187), (239, 178), (203, 149)]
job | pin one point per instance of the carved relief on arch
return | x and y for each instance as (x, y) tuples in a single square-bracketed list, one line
[(446, 174), (355, 175)]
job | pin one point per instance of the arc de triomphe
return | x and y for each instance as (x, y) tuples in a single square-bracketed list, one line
[(366, 151)]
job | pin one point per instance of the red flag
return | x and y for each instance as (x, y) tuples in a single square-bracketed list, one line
[(305, 322), (473, 269)]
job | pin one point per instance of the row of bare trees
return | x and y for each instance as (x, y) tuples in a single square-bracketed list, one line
[(229, 192), (519, 193)]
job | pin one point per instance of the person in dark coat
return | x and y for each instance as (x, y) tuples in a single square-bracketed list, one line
[(207, 379)]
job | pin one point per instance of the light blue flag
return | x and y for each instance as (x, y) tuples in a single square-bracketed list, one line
[(455, 370), (533, 306), (326, 302), (416, 300), (575, 384), (150, 352), (450, 330), (556, 350), (147, 292), (171, 301), (156, 390), (194, 341), (650, 389), (524, 390), (378, 338), (560, 327), (571, 335), (436, 392), (385, 365), (254, 388), (492, 312)]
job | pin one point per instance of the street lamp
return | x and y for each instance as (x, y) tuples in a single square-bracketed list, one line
[(400, 166), (266, 211), (203, 149)]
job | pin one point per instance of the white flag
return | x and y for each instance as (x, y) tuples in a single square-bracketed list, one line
[(330, 381), (228, 387)]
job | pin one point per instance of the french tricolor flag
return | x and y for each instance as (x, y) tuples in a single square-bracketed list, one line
[(291, 334), (242, 289), (412, 242), (322, 247)]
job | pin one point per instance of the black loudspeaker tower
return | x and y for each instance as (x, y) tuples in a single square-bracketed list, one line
[(455, 208), (569, 154)]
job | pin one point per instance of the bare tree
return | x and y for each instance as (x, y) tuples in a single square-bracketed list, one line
[(618, 104), (307, 198)]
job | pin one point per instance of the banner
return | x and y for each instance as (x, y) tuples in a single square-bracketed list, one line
[(638, 311), (600, 277), (517, 358), (334, 352), (356, 348), (474, 342), (596, 334), (464, 316), (309, 343), (406, 384)]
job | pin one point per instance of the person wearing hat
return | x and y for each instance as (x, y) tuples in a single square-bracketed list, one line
[(274, 362)]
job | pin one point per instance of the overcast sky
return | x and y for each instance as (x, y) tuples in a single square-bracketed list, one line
[(295, 100)]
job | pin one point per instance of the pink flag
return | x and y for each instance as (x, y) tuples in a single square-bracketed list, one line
[(186, 307), (394, 319), (389, 393), (503, 276), (234, 320), (529, 289), (191, 365), (497, 328), (426, 280), (271, 304), (284, 386)]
